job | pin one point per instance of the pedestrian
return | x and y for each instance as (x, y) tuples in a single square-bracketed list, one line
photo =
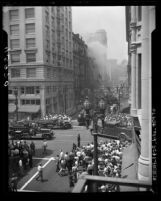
[(78, 140), (44, 146), (13, 183), (74, 147), (61, 155), (71, 183), (57, 163), (40, 172), (32, 146), (20, 167), (30, 159)]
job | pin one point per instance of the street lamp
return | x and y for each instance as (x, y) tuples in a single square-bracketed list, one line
[(16, 95), (102, 108), (87, 107)]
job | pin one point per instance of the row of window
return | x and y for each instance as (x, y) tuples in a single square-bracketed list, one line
[(30, 102), (29, 28), (14, 14), (27, 90), (30, 57), (30, 43), (30, 72)]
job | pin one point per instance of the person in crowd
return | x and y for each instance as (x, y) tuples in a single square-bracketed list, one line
[(30, 159), (32, 146), (44, 146), (40, 172), (13, 182), (57, 163), (61, 155), (21, 171), (62, 170), (78, 140)]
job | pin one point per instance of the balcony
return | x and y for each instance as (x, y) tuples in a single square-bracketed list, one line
[(88, 183)]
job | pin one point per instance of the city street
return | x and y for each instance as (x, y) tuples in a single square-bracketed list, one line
[(52, 181)]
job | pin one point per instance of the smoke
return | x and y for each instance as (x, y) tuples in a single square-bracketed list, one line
[(99, 52)]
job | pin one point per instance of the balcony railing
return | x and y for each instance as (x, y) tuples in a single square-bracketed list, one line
[(91, 182)]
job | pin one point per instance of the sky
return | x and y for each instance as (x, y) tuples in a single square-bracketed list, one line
[(110, 18)]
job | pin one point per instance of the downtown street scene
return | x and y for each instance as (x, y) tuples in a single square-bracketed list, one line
[(79, 98)]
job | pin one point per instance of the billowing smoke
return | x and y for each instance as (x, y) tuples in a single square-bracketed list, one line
[(99, 52)]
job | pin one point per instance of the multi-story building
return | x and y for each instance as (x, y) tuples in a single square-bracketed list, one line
[(86, 73), (140, 23), (80, 66), (40, 62)]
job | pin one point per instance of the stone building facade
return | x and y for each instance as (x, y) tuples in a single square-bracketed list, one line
[(140, 23), (40, 62)]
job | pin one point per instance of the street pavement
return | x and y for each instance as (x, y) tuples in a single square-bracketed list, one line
[(52, 181)]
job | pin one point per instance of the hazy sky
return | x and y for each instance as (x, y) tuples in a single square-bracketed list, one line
[(111, 18)]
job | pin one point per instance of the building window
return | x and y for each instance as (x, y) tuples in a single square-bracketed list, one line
[(47, 32), (47, 45), (9, 91), (48, 72), (30, 28), (29, 90), (14, 29), (29, 13), (30, 43), (23, 102), (30, 57), (139, 13), (15, 58), (13, 14), (15, 72), (38, 102), (32, 102), (37, 90), (31, 72), (47, 17), (22, 90), (27, 102), (14, 43)]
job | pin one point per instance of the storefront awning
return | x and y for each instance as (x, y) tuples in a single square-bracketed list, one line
[(29, 108), (11, 108)]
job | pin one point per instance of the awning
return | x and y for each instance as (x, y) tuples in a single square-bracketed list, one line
[(11, 108), (136, 123), (29, 108)]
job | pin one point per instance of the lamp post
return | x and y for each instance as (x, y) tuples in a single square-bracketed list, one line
[(102, 108), (16, 95), (87, 107)]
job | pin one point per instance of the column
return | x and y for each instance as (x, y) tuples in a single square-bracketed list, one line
[(133, 61), (137, 82), (43, 102), (144, 162)]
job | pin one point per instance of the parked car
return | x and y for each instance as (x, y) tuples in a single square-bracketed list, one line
[(20, 132)]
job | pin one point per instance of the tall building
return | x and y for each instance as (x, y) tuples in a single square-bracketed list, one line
[(140, 23), (80, 64), (40, 62)]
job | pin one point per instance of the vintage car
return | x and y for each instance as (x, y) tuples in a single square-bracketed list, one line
[(21, 132), (54, 124)]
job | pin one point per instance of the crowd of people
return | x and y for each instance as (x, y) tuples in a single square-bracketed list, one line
[(59, 117), (80, 161), (20, 155), (123, 119)]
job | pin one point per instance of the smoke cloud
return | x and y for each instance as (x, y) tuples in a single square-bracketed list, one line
[(99, 52)]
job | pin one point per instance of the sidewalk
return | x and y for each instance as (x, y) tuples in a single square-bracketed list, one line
[(129, 166)]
